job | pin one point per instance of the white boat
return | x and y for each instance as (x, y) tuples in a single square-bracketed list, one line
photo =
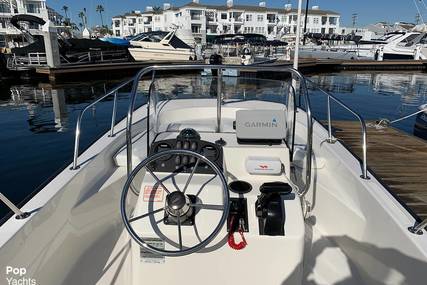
[(169, 193), (159, 45), (394, 45)]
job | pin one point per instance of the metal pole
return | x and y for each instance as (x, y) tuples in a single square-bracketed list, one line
[(298, 35), (365, 142), (219, 101), (113, 116), (76, 142), (305, 21), (330, 140), (19, 214), (418, 228)]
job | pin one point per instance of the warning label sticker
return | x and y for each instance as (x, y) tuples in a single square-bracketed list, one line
[(149, 257), (153, 194)]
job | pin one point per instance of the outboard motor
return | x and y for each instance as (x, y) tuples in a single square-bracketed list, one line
[(215, 59), (246, 56)]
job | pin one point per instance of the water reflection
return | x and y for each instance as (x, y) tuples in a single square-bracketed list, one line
[(381, 95)]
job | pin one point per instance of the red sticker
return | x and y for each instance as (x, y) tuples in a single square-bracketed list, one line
[(153, 194)]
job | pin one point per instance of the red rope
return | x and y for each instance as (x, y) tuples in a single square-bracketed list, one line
[(231, 241)]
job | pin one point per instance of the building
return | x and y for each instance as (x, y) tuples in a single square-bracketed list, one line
[(9, 35), (208, 20)]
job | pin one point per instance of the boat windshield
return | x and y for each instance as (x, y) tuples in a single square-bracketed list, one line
[(199, 93)]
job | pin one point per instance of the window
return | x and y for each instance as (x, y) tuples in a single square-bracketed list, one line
[(33, 7), (156, 18), (195, 29), (117, 33), (4, 8), (140, 20), (283, 19), (117, 23), (249, 17), (333, 20), (316, 20), (260, 18), (223, 16), (324, 20)]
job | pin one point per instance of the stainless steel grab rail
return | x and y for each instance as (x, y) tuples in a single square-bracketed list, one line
[(289, 70), (18, 213), (358, 116), (114, 92)]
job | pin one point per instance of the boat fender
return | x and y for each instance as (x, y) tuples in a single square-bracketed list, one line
[(231, 242)]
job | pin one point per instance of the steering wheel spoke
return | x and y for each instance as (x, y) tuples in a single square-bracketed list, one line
[(207, 206), (145, 215), (179, 233), (157, 179)]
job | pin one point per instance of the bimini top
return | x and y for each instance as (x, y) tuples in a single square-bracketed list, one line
[(25, 18), (157, 36), (254, 39)]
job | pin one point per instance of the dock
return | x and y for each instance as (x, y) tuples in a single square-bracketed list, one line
[(398, 160), (306, 66)]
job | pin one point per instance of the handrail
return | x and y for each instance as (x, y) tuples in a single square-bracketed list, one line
[(362, 125), (18, 213), (114, 92), (290, 70)]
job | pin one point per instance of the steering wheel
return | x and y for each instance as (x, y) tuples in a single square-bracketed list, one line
[(178, 204)]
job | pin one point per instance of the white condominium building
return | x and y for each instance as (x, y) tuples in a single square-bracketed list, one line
[(209, 20)]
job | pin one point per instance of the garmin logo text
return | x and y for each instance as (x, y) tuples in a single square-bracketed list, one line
[(272, 124)]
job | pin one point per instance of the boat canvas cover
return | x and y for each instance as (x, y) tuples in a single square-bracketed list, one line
[(157, 36), (67, 46)]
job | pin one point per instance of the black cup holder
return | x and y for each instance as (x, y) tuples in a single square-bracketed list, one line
[(240, 187)]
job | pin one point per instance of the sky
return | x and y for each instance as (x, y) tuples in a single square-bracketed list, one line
[(369, 11)]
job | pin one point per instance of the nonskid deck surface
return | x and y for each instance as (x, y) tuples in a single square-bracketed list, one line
[(398, 159)]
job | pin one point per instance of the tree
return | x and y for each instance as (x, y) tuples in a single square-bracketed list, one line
[(82, 15), (65, 9), (100, 9)]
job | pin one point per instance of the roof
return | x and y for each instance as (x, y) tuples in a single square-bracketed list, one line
[(255, 8), (251, 8)]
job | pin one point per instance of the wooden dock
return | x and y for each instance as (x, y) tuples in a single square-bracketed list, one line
[(306, 65), (397, 159)]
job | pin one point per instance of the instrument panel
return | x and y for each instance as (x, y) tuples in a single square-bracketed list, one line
[(185, 163)]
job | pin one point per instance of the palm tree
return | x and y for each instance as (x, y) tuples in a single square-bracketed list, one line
[(65, 9), (100, 9), (82, 16)]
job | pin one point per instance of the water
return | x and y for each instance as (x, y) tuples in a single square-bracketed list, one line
[(37, 120)]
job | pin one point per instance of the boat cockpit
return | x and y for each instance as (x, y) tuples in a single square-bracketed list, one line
[(231, 182), (214, 187)]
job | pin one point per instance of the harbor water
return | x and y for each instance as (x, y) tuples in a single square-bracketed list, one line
[(37, 120)]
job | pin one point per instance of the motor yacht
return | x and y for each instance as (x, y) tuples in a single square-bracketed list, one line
[(215, 188), (160, 46)]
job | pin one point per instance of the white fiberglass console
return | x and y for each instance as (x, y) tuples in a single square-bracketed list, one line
[(246, 228)]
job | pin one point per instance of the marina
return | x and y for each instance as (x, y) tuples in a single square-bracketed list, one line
[(139, 146)]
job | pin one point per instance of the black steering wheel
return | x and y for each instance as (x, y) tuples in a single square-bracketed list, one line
[(178, 205)]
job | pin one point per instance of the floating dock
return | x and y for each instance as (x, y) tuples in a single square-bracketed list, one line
[(124, 69), (398, 160)]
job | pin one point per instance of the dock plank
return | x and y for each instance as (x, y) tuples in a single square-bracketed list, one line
[(398, 159)]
